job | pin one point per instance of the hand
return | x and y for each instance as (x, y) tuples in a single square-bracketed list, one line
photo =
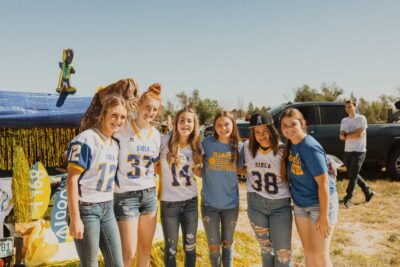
[(323, 226), (342, 136), (76, 229), (331, 169)]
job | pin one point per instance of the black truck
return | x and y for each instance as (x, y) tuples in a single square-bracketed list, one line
[(323, 123)]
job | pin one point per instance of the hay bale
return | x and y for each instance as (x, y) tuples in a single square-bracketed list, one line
[(21, 187)]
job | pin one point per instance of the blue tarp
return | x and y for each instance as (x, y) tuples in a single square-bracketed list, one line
[(40, 110)]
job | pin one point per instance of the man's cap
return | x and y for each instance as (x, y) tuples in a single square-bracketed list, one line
[(260, 119)]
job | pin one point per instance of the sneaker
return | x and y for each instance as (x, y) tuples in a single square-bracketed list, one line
[(347, 203), (369, 196)]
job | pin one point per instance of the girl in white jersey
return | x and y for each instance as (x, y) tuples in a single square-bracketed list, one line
[(92, 163), (135, 204), (268, 193), (180, 160)]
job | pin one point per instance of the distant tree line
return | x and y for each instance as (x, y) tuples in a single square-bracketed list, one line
[(375, 111)]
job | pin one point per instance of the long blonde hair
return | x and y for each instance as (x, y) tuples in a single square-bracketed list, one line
[(194, 140), (126, 88), (109, 102), (234, 141)]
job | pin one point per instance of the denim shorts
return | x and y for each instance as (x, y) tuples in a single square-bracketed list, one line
[(132, 204), (313, 211)]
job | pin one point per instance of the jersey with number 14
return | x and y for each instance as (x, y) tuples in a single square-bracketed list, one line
[(264, 173), (178, 182), (139, 151), (96, 157)]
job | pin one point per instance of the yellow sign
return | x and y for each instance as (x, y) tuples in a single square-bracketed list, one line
[(41, 190)]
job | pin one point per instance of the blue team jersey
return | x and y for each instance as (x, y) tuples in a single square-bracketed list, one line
[(306, 161), (220, 181)]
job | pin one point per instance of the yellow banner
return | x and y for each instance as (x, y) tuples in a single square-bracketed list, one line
[(41, 190)]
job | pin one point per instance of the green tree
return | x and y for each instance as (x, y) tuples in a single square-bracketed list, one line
[(331, 92), (250, 108), (183, 99), (206, 110), (306, 93), (327, 93)]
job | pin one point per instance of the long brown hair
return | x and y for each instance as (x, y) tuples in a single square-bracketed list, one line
[(273, 137), (109, 102), (194, 140), (126, 88), (234, 142), (296, 114), (274, 141)]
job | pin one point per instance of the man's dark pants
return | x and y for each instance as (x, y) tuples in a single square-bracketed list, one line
[(353, 162)]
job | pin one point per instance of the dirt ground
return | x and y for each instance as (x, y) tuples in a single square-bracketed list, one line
[(367, 234)]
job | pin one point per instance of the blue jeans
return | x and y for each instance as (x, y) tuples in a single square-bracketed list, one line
[(100, 228), (271, 220), (184, 213), (219, 225), (353, 162)]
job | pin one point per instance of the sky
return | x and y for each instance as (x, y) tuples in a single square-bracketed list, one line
[(233, 51)]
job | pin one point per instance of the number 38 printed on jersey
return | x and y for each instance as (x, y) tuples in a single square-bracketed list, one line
[(266, 182)]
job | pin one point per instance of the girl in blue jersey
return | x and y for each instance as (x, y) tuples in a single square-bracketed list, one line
[(313, 190), (268, 197), (92, 163), (220, 194), (180, 159), (135, 204)]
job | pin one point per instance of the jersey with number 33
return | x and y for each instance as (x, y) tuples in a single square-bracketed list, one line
[(264, 173), (96, 157), (178, 182), (139, 151)]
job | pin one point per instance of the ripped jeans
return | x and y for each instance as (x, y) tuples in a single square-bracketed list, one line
[(219, 225), (271, 220), (184, 213)]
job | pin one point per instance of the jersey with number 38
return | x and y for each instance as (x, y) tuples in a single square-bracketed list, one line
[(178, 182), (140, 150), (96, 157), (264, 173)]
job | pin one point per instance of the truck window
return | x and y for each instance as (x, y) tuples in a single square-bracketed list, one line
[(308, 113), (332, 114)]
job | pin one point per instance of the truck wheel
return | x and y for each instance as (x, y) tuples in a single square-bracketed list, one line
[(394, 164)]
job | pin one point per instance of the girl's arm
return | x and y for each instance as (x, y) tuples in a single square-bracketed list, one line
[(157, 168), (76, 227), (242, 171), (197, 170), (323, 225)]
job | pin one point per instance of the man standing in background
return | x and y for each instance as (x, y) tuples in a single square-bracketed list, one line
[(353, 130)]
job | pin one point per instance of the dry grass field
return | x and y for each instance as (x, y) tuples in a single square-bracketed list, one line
[(367, 234)]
